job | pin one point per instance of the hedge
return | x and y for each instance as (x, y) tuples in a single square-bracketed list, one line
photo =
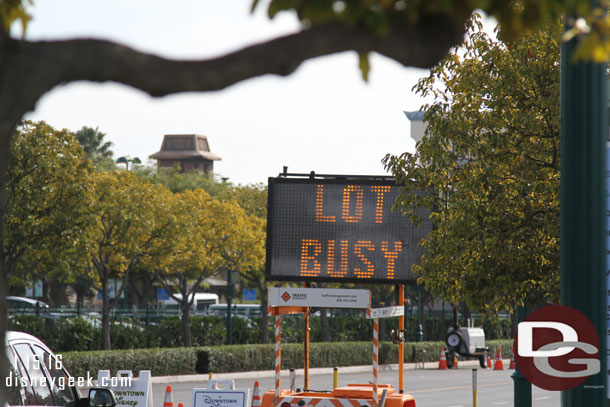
[(242, 358), (71, 334), (161, 362)]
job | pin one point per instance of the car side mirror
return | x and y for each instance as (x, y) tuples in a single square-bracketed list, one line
[(102, 397)]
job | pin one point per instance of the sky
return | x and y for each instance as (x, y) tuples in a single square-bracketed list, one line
[(322, 118)]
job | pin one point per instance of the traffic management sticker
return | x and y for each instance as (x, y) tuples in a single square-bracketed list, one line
[(319, 297)]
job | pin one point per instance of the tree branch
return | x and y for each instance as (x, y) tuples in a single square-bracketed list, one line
[(420, 46)]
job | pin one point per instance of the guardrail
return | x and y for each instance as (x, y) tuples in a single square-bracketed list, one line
[(147, 314)]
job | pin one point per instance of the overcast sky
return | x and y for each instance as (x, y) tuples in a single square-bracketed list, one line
[(322, 118)]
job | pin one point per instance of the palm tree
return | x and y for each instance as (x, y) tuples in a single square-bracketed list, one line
[(92, 141)]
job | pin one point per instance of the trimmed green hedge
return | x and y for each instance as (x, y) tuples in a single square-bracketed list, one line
[(243, 358), (71, 334), (161, 362)]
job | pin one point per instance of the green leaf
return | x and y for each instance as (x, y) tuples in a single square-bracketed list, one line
[(364, 64)]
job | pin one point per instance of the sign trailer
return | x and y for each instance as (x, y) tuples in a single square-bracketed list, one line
[(283, 301)]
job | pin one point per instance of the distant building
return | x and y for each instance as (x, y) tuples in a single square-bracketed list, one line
[(418, 126), (189, 151)]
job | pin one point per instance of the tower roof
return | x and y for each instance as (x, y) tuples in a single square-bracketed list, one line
[(185, 146)]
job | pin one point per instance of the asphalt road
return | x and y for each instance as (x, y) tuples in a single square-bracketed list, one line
[(431, 387)]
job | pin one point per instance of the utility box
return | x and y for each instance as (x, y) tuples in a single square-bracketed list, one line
[(467, 342), (474, 338)]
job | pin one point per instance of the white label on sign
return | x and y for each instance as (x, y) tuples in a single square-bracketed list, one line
[(220, 398), (319, 297), (386, 312), (130, 391)]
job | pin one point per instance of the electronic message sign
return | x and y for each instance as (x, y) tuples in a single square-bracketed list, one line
[(340, 230)]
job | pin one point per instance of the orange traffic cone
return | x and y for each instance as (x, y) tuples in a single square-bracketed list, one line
[(455, 361), (256, 396), (499, 365), (442, 363), (169, 400), (180, 405), (488, 361), (512, 362)]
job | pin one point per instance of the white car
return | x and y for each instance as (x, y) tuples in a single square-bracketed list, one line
[(24, 304), (37, 377)]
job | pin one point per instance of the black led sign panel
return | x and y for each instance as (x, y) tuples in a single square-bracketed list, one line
[(340, 230)]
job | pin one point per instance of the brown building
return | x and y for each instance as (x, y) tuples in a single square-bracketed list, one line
[(190, 151)]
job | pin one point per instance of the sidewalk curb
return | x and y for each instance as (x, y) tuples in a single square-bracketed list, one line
[(315, 371)]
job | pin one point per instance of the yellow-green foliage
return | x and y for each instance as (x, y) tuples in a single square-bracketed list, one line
[(491, 161), (14, 10), (587, 20), (48, 185)]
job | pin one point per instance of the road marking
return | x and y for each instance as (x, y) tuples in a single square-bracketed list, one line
[(542, 398), (497, 403), (456, 388)]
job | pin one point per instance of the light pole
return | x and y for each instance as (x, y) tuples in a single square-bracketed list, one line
[(584, 130), (127, 160), (522, 388), (420, 328)]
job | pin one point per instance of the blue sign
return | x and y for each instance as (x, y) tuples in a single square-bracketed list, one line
[(162, 294), (110, 293), (250, 295), (111, 290)]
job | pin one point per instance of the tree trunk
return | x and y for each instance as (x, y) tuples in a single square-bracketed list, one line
[(46, 291), (147, 292), (264, 328), (324, 325), (141, 288), (58, 294), (106, 345), (185, 306), (186, 323), (422, 319), (80, 293), (466, 312)]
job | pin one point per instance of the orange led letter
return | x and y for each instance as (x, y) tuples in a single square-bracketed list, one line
[(391, 256), (343, 246), (310, 250), (330, 258), (379, 191), (320, 206), (346, 209), (370, 270)]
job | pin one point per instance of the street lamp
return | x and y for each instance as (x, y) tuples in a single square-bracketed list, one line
[(127, 160)]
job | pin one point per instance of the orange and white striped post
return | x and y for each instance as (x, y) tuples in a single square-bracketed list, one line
[(278, 355), (375, 314), (375, 355)]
